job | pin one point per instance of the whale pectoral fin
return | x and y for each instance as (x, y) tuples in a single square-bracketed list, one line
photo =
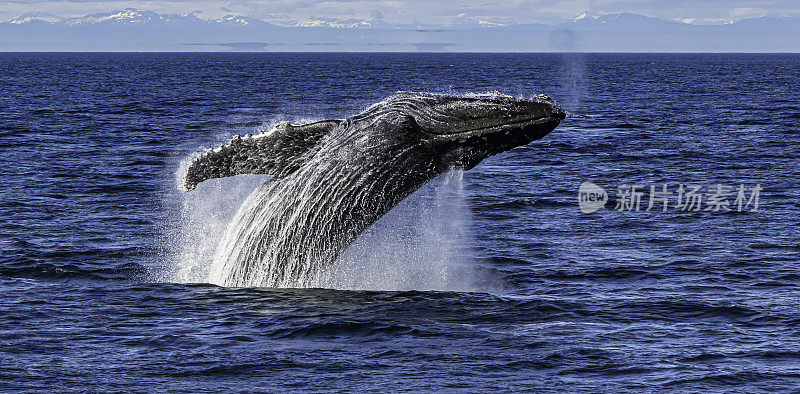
[(277, 152)]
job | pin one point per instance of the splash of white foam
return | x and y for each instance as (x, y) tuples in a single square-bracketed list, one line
[(422, 244), (204, 216)]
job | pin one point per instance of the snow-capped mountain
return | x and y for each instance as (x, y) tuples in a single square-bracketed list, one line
[(335, 23), (466, 21), (128, 16), (582, 17), (624, 19), (236, 20), (140, 30), (132, 16), (375, 21), (35, 17)]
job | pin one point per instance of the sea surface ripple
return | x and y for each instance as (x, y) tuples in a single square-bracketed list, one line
[(90, 145)]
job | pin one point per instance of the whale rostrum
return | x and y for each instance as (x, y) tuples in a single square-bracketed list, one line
[(331, 180)]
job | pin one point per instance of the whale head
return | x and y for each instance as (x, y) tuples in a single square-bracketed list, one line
[(462, 131)]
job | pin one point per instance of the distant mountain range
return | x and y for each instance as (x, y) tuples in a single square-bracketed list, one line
[(138, 30)]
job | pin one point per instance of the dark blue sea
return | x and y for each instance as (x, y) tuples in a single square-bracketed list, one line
[(488, 280)]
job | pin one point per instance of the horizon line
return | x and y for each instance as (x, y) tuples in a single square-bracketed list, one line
[(423, 52)]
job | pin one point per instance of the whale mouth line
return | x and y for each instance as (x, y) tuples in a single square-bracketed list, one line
[(478, 132)]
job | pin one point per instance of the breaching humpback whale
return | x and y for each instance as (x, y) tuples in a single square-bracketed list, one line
[(332, 179)]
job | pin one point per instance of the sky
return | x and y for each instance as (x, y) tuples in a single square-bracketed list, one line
[(288, 12)]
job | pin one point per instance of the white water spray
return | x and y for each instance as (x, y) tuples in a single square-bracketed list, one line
[(204, 216), (422, 244)]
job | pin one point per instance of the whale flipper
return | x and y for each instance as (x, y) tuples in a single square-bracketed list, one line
[(277, 152)]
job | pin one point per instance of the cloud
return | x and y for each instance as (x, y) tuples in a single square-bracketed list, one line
[(748, 12)]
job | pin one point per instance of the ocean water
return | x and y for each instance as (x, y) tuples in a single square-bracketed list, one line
[(490, 279)]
